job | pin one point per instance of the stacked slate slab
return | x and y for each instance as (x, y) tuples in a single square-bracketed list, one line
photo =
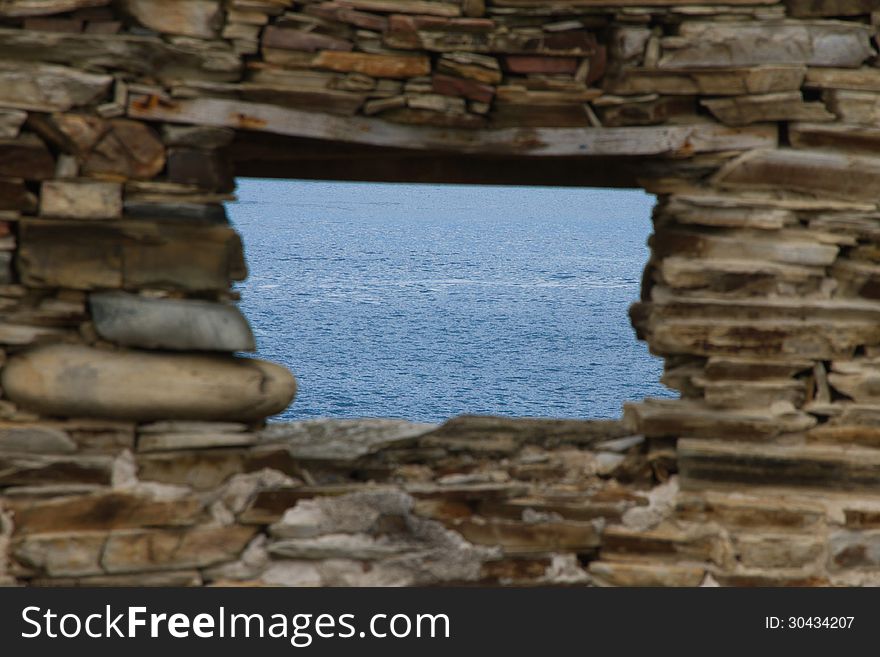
[(133, 443)]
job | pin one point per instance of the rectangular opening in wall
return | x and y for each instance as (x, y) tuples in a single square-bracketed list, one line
[(429, 301)]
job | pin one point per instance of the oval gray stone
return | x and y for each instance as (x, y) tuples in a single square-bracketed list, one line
[(179, 324), (79, 381)]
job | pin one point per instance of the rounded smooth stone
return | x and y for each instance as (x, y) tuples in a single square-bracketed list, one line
[(179, 324), (79, 381)]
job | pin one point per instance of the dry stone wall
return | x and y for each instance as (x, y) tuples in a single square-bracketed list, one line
[(133, 447)]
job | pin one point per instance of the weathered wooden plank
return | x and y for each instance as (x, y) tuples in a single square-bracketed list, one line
[(639, 141)]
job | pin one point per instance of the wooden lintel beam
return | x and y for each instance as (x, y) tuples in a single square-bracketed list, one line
[(666, 141)]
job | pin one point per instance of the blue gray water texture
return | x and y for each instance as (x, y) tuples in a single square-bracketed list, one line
[(429, 301)]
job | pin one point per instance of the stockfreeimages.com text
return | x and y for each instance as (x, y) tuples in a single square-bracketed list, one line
[(299, 629)]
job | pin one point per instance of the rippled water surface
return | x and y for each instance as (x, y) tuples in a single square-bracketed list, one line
[(428, 301)]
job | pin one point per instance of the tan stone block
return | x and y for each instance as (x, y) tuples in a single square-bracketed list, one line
[(379, 66), (860, 79), (732, 81), (144, 551), (836, 174), (854, 549), (610, 573), (772, 550), (856, 139), (195, 18), (130, 150), (128, 254), (716, 463), (751, 43), (26, 157), (11, 121), (679, 418), (820, 339), (60, 554), (158, 442), (421, 7), (527, 538), (81, 199), (171, 578), (101, 511), (784, 106), (40, 470), (860, 107), (48, 88)]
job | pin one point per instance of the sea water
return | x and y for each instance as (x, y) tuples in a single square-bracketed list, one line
[(429, 301)]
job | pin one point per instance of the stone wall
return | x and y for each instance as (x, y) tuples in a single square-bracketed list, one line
[(133, 447)]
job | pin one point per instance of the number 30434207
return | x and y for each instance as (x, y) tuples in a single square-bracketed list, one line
[(809, 622)]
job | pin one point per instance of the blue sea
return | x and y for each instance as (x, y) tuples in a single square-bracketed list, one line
[(429, 301)]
